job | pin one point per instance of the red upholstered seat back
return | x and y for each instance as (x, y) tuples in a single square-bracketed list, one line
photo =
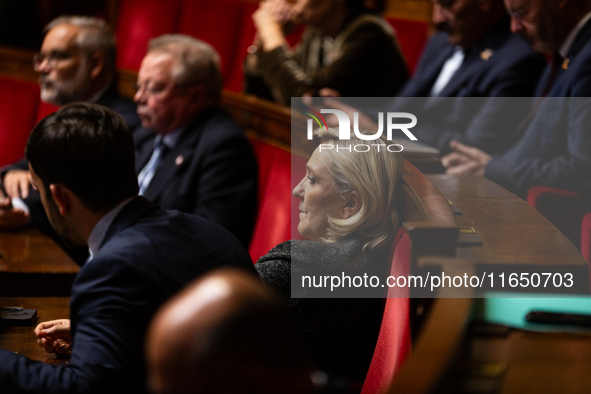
[(393, 344), (276, 206), (412, 36), (45, 109), (243, 40), (18, 109), (137, 22), (565, 209), (217, 23)]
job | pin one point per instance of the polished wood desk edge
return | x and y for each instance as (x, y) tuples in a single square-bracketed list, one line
[(427, 217), (436, 347)]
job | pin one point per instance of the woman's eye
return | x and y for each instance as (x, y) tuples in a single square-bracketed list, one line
[(312, 180)]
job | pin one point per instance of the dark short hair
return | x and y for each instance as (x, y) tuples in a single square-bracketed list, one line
[(87, 148)]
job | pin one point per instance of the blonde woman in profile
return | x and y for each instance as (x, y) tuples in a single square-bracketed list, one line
[(349, 212)]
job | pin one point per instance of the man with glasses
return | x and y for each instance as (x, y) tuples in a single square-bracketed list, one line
[(474, 56), (76, 63), (555, 149), (191, 155)]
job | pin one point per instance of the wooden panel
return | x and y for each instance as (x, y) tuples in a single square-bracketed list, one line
[(513, 232), (17, 63), (33, 264), (418, 10), (436, 348), (428, 219), (22, 340)]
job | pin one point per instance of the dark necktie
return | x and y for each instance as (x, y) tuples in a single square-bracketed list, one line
[(557, 62)]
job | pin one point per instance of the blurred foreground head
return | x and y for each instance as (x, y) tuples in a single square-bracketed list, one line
[(225, 333)]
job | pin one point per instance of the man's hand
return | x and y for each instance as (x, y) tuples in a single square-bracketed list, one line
[(11, 218), (268, 20), (54, 336), (465, 160), (17, 182)]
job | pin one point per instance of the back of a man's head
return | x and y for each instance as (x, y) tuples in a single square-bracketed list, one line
[(88, 149), (197, 62), (225, 333)]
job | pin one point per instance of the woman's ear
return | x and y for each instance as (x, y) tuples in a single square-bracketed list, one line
[(353, 204)]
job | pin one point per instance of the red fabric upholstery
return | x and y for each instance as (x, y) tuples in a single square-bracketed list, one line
[(412, 36), (137, 22), (393, 344), (217, 23), (565, 209), (586, 237), (276, 204), (44, 110), (18, 108), (244, 39)]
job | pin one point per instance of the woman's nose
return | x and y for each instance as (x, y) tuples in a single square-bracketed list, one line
[(298, 191)]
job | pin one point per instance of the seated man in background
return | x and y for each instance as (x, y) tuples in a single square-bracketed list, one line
[(82, 162), (474, 55), (190, 154), (556, 147), (225, 333), (76, 63)]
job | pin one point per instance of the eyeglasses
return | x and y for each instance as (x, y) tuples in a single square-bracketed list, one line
[(519, 14), (157, 88), (53, 58), (150, 88)]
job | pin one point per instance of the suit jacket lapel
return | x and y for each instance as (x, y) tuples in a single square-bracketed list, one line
[(177, 158), (423, 87), (477, 57), (135, 209), (580, 41), (143, 156)]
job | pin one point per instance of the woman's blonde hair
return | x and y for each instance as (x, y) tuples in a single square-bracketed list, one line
[(375, 176)]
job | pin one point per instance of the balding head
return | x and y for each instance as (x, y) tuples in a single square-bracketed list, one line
[(225, 333)]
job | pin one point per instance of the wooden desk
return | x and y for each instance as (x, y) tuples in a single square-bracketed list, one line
[(454, 355), (22, 339), (519, 361), (515, 235), (32, 264)]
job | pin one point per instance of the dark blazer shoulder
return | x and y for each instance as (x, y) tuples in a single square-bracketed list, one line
[(123, 106)]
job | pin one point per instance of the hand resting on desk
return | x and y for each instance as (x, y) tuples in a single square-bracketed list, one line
[(17, 183), (11, 218), (54, 336)]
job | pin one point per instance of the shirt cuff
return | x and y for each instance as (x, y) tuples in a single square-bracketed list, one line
[(18, 203)]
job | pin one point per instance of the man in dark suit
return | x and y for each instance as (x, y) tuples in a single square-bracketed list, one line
[(204, 163), (81, 161), (556, 147), (191, 154), (76, 63), (463, 72)]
